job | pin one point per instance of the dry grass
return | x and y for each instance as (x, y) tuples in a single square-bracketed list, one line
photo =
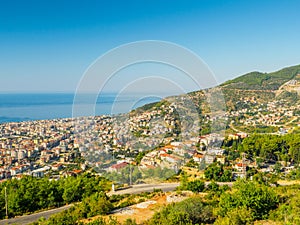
[(137, 213), (288, 182)]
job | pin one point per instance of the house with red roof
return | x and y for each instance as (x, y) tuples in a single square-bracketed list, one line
[(117, 167)]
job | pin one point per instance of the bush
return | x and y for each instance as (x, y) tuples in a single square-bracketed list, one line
[(196, 186), (189, 211), (289, 212), (237, 216), (259, 198)]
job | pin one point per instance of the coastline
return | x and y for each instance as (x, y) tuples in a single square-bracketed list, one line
[(49, 106)]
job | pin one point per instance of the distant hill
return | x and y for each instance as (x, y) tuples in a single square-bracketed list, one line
[(260, 102), (263, 87), (264, 81)]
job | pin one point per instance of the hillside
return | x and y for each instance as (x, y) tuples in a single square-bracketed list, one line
[(264, 81), (263, 88), (260, 102)]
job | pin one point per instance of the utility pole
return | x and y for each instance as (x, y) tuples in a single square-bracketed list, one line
[(244, 165), (298, 153), (130, 175), (6, 210)]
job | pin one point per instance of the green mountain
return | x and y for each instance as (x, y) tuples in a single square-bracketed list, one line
[(263, 87), (260, 102), (257, 86), (264, 81)]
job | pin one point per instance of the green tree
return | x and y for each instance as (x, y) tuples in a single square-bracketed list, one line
[(189, 211), (183, 181), (250, 195), (99, 204), (217, 172), (196, 186), (236, 216)]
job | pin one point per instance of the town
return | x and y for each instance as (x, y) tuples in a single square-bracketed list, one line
[(107, 144)]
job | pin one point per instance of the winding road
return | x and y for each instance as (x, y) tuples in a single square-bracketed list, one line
[(139, 188), (34, 217)]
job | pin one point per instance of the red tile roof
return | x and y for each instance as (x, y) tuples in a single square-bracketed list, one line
[(120, 165)]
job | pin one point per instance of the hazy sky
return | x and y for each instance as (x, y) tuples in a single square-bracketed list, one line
[(45, 46)]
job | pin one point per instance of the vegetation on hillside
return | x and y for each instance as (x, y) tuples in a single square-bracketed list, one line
[(31, 194), (245, 203), (272, 147), (263, 81)]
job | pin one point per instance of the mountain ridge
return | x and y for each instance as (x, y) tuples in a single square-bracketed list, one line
[(261, 102), (263, 81)]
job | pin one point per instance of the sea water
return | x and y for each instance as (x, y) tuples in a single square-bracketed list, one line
[(24, 107)]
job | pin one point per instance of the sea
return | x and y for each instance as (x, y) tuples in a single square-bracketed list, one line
[(36, 106)]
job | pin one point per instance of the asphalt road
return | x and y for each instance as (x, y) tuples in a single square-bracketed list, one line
[(33, 217), (139, 188)]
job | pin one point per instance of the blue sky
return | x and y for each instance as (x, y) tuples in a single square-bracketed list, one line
[(45, 46)]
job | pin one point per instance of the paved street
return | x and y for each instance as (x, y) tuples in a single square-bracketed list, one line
[(135, 189), (139, 188), (33, 217)]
